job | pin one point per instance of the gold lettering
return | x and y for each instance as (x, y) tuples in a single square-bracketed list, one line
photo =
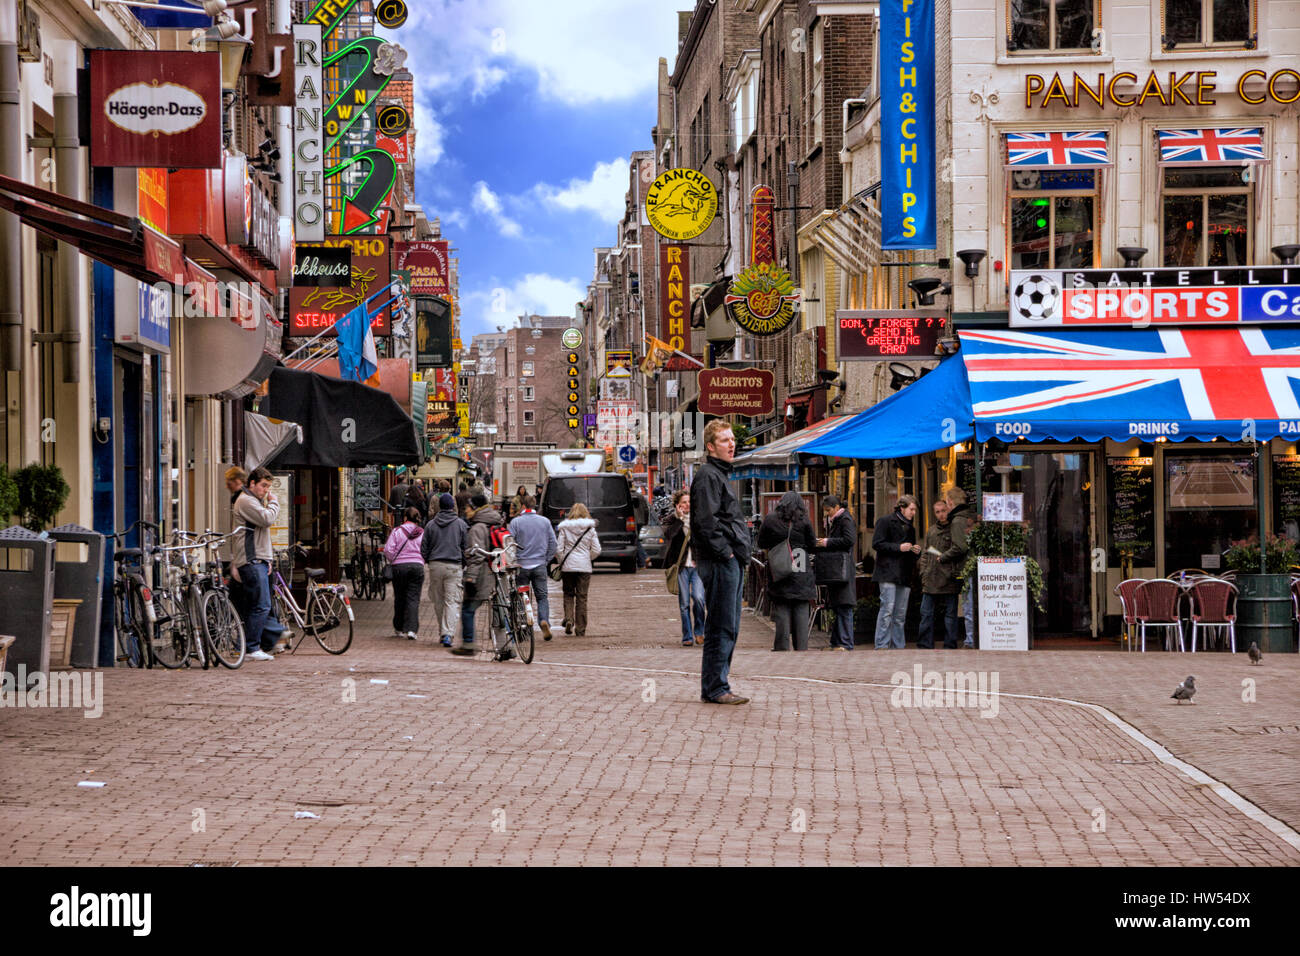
[(1152, 87), (1098, 95), (1056, 90), (1203, 86), (1110, 88), (1274, 78), (1176, 82), (1241, 87), (1033, 84)]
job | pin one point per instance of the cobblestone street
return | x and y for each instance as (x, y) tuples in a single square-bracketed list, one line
[(600, 752)]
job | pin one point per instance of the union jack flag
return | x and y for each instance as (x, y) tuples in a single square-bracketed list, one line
[(1204, 374), (1057, 149), (1210, 145)]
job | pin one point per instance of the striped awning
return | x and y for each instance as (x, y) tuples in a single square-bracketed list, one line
[(1211, 147), (1058, 149)]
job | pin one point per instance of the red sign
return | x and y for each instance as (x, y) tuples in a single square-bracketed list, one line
[(428, 262), (762, 245), (674, 293), (444, 385), (155, 109), (746, 392), (397, 148), (315, 309), (151, 197)]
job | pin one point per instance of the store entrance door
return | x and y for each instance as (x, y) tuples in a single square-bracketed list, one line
[(1057, 486)]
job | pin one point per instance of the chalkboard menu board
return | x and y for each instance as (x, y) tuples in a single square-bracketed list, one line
[(1131, 496), (1286, 495), (966, 478), (365, 490)]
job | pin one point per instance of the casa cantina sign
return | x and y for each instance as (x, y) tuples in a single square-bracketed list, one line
[(1192, 88)]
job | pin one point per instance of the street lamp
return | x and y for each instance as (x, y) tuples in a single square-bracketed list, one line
[(223, 37)]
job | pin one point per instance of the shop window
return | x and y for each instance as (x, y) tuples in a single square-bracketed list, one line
[(1207, 23), (1036, 26), (1053, 218), (1206, 217)]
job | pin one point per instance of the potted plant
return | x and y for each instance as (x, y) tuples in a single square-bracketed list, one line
[(1003, 539), (8, 495), (1264, 612), (42, 493)]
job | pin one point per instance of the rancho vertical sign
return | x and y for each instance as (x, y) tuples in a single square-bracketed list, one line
[(308, 145), (727, 392), (674, 293), (155, 109)]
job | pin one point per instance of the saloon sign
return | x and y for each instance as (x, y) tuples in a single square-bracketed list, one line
[(748, 392), (155, 109)]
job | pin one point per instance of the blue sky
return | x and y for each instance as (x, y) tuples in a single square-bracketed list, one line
[(527, 114)]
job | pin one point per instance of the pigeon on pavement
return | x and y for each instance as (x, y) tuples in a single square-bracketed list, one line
[(1254, 653), (1185, 690)]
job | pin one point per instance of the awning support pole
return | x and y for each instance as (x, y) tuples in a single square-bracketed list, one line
[(11, 127)]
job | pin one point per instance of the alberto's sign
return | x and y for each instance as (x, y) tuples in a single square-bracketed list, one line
[(727, 392), (681, 204), (1196, 88)]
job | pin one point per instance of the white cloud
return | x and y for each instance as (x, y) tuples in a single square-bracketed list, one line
[(483, 309), (428, 136), (603, 193), (455, 218), (487, 203)]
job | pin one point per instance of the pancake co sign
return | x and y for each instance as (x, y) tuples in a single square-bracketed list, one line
[(155, 109)]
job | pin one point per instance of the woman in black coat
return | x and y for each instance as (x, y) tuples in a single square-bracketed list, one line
[(791, 595)]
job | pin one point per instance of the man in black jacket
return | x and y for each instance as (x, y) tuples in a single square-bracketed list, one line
[(841, 535), (720, 547), (895, 545)]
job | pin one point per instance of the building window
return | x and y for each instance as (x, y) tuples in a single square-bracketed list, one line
[(528, 417), (1207, 22), (815, 88), (706, 146), (1053, 218), (528, 393), (1050, 25), (528, 368), (1206, 217)]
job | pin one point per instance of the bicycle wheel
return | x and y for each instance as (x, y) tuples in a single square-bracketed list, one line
[(521, 629), (130, 643), (329, 620), (222, 628), (170, 645), (381, 586)]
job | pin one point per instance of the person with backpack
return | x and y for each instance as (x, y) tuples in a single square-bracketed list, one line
[(535, 540), (792, 593), (577, 546), (403, 552), (484, 519)]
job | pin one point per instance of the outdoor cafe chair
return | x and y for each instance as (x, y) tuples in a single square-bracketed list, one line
[(1127, 593), (1187, 577), (1158, 605), (1214, 605)]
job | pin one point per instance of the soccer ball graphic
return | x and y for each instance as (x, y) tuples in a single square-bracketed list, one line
[(1036, 297)]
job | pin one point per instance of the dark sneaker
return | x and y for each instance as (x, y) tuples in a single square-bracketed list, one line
[(464, 650), (730, 699), (546, 630), (505, 654), (446, 640)]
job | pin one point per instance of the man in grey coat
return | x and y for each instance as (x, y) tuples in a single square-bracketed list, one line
[(443, 550)]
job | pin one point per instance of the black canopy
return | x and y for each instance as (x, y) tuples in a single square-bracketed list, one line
[(345, 424)]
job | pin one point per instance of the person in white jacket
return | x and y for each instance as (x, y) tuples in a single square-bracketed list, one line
[(576, 547)]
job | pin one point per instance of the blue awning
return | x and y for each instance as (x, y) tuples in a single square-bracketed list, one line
[(1193, 383), (779, 460), (931, 413)]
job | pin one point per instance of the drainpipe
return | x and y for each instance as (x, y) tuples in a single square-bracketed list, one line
[(70, 175), (11, 319)]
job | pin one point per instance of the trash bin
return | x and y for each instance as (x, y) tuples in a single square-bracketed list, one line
[(27, 583), (78, 580), (1264, 612)]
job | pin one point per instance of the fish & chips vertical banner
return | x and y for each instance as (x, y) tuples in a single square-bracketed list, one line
[(907, 124)]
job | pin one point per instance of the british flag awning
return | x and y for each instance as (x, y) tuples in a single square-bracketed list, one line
[(1058, 150), (1203, 383), (1211, 147)]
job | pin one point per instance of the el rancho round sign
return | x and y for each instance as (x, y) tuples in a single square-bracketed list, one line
[(681, 204)]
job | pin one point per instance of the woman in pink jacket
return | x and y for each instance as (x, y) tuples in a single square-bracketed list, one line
[(403, 552)]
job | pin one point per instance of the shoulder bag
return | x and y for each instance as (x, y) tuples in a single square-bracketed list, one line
[(780, 560), (670, 574), (387, 572), (556, 570)]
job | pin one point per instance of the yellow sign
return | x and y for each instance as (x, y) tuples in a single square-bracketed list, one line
[(462, 412), (681, 204), (455, 345)]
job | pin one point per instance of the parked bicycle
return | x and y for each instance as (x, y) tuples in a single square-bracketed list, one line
[(327, 616), (216, 632), (511, 620), (133, 607), (366, 565)]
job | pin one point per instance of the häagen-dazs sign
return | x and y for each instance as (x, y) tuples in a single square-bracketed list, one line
[(155, 109)]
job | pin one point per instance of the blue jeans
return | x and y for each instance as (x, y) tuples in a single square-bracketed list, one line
[(893, 612), (537, 582), (843, 634), (945, 604), (467, 609), (255, 578), (690, 594), (723, 583)]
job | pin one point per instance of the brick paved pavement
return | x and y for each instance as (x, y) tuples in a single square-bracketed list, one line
[(576, 759)]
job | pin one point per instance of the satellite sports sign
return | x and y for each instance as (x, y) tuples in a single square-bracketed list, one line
[(1137, 298)]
